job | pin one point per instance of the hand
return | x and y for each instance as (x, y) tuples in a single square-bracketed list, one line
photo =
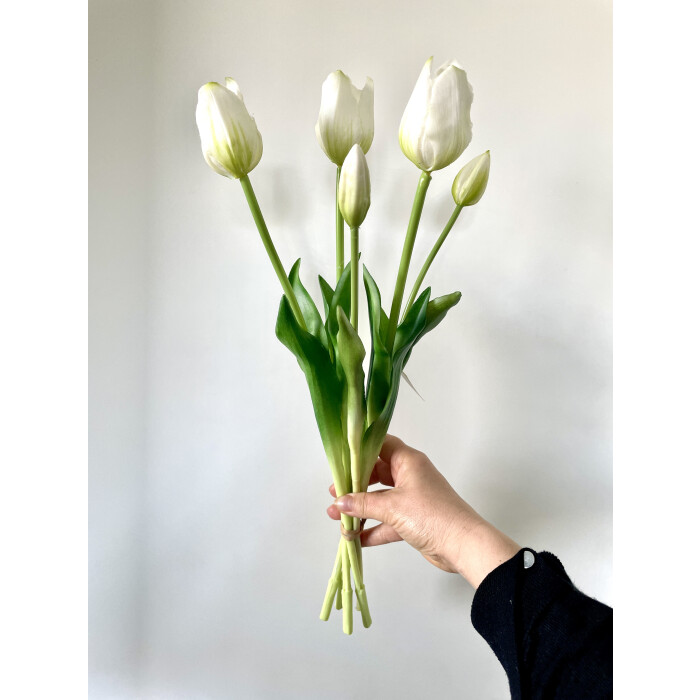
[(425, 511)]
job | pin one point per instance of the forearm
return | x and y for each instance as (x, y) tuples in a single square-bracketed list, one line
[(478, 547)]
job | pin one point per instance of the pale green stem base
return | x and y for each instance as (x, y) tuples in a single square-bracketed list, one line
[(347, 568), (333, 585), (353, 548), (347, 591)]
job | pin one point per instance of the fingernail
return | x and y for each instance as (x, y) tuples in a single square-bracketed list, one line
[(344, 503)]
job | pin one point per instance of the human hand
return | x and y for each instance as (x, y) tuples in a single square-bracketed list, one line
[(425, 511)]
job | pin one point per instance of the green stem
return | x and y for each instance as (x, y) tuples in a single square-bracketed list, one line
[(429, 260), (347, 588), (355, 415), (333, 585), (416, 211), (360, 592), (339, 234), (270, 248), (354, 266)]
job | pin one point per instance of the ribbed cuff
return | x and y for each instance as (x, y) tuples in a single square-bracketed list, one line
[(552, 640), (494, 616)]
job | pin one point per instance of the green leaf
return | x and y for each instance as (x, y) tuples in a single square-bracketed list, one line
[(309, 311), (327, 292), (437, 310), (325, 388), (341, 297), (383, 323), (379, 374), (407, 335), (409, 331), (351, 353)]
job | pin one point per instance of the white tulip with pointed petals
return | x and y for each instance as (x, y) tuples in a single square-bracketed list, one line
[(436, 126), (346, 116), (354, 188), (470, 184), (231, 143)]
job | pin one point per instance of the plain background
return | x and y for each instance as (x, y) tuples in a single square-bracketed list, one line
[(209, 545)]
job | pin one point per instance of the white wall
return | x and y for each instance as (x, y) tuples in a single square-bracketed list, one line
[(227, 560), (121, 177)]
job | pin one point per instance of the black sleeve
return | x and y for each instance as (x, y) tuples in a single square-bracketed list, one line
[(553, 641)]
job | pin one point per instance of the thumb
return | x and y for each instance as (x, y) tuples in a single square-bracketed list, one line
[(374, 505)]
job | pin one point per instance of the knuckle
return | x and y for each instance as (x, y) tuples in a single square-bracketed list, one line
[(360, 503)]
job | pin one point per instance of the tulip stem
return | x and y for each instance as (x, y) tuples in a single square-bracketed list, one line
[(346, 589), (409, 241), (354, 265), (270, 248), (429, 260), (334, 584), (339, 234)]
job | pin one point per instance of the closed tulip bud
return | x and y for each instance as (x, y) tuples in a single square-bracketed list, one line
[(231, 142), (436, 126), (354, 188), (470, 183), (346, 116)]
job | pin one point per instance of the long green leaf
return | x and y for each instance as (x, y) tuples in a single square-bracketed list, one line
[(325, 388), (351, 353), (341, 297), (436, 312), (379, 374), (312, 317), (407, 335), (327, 292), (410, 330)]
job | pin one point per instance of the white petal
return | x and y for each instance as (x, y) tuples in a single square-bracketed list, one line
[(448, 124), (436, 127), (230, 139), (334, 126), (413, 120), (354, 187), (232, 85), (366, 115), (345, 117)]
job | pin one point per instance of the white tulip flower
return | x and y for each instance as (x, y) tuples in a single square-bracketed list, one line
[(354, 188), (436, 127), (346, 116), (470, 183), (231, 142)]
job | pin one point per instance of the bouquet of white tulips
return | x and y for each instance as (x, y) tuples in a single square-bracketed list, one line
[(353, 413)]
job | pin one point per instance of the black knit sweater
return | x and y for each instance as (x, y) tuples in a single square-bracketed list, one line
[(553, 641)]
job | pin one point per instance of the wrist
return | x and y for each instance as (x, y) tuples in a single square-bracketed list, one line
[(480, 548)]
